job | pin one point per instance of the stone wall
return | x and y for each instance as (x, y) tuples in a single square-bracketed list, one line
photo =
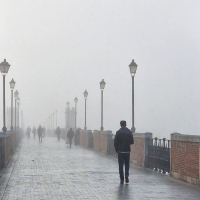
[(11, 140), (185, 160), (96, 140), (103, 142), (83, 138), (139, 151)]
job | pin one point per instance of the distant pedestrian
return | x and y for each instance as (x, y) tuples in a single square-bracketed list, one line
[(39, 131), (34, 131), (70, 135), (58, 132), (123, 140), (77, 136), (28, 132)]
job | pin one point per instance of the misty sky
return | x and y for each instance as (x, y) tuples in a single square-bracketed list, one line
[(59, 48)]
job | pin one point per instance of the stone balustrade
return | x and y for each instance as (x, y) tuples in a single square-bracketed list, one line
[(9, 141), (185, 158)]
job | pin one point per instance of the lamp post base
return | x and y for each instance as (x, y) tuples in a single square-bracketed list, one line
[(11, 128), (101, 128), (4, 129), (133, 129), (85, 128)]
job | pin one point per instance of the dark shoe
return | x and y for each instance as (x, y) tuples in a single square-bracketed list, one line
[(126, 179), (122, 182)]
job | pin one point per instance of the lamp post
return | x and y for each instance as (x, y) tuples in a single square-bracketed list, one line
[(68, 115), (4, 67), (53, 121), (56, 118), (85, 96), (133, 68), (76, 101), (102, 86), (12, 86), (16, 97), (18, 104)]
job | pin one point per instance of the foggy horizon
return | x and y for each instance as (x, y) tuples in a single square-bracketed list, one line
[(58, 50)]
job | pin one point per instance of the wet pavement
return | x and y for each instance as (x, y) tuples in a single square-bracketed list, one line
[(52, 170)]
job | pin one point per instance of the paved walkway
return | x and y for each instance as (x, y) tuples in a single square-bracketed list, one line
[(52, 170)]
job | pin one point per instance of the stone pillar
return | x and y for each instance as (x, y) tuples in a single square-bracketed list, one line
[(185, 158), (139, 150), (103, 142), (7, 148), (96, 140), (83, 138)]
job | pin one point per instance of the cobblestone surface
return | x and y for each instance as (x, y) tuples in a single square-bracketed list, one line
[(52, 170)]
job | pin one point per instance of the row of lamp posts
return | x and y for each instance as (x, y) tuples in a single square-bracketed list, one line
[(4, 68), (133, 68), (50, 120), (102, 86)]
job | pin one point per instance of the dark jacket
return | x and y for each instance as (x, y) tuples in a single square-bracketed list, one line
[(39, 130), (34, 130), (58, 131), (70, 134), (123, 140)]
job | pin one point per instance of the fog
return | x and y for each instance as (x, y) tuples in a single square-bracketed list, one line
[(59, 48)]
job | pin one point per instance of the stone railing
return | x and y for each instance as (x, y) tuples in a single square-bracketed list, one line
[(185, 158), (103, 141), (9, 141)]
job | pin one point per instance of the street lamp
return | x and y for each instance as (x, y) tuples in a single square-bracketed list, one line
[(133, 68), (12, 86), (68, 114), (53, 121), (16, 94), (76, 101), (102, 86), (18, 104), (4, 67), (85, 96), (56, 118)]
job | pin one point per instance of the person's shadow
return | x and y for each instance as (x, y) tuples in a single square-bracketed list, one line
[(123, 191)]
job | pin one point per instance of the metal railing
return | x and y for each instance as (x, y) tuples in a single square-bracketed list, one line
[(158, 157)]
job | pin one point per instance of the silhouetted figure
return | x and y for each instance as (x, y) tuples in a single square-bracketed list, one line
[(58, 132), (44, 131), (77, 136), (70, 135), (28, 132), (39, 131), (34, 131), (122, 142)]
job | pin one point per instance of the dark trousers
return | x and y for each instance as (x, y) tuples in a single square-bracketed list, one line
[(58, 137), (70, 142), (123, 158), (40, 137)]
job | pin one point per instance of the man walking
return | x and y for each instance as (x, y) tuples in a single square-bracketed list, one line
[(58, 132), (39, 131), (34, 131), (70, 135), (122, 142), (28, 132)]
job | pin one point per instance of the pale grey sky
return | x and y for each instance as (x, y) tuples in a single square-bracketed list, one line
[(59, 48)]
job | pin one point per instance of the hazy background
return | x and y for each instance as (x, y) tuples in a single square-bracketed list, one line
[(59, 48)]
